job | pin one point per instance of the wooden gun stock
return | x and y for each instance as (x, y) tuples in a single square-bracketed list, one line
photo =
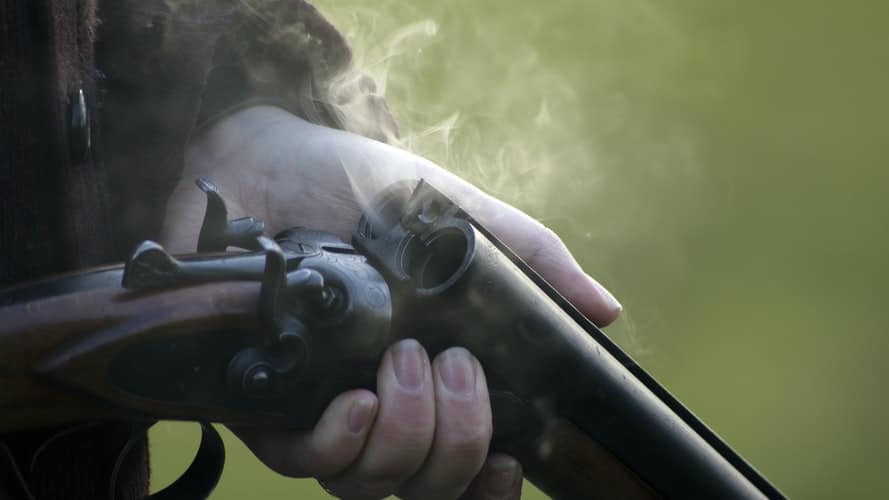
[(56, 353)]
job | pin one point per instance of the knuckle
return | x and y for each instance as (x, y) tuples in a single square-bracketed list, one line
[(468, 442), (327, 462), (281, 459), (362, 488), (549, 246), (285, 464), (552, 243), (409, 432), (548, 236), (449, 491)]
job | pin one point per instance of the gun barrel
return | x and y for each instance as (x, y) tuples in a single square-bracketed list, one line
[(546, 363)]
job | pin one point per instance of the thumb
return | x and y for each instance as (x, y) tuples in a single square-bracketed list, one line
[(336, 441)]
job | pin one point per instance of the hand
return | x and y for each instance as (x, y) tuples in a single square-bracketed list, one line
[(425, 433)]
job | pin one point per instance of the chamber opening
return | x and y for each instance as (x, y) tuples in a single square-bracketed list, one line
[(434, 263)]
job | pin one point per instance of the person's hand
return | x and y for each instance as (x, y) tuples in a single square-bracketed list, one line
[(425, 433)]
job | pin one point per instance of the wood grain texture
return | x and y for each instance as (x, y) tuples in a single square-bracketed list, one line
[(57, 352)]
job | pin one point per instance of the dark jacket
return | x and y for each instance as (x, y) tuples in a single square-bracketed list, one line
[(97, 104)]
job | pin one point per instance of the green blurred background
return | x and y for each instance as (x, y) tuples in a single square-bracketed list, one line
[(719, 165)]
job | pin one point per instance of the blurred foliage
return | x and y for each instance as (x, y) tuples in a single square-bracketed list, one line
[(721, 166)]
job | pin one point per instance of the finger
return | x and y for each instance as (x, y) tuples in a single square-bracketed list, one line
[(499, 479), (403, 431), (534, 243), (463, 428), (547, 254), (369, 166), (184, 214), (333, 445)]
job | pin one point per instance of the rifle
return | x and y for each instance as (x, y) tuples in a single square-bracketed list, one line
[(231, 337)]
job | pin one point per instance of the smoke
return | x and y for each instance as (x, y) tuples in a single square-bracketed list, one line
[(499, 139), (552, 110)]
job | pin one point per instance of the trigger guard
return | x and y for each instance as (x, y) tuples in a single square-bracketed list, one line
[(202, 476)]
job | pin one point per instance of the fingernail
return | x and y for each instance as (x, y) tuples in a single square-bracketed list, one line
[(361, 413), (456, 371), (501, 476), (409, 366)]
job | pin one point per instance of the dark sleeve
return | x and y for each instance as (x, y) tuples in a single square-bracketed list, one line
[(172, 67)]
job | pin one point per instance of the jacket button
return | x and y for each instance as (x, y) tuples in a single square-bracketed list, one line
[(79, 126)]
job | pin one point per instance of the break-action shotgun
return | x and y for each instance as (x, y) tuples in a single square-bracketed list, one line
[(270, 335)]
